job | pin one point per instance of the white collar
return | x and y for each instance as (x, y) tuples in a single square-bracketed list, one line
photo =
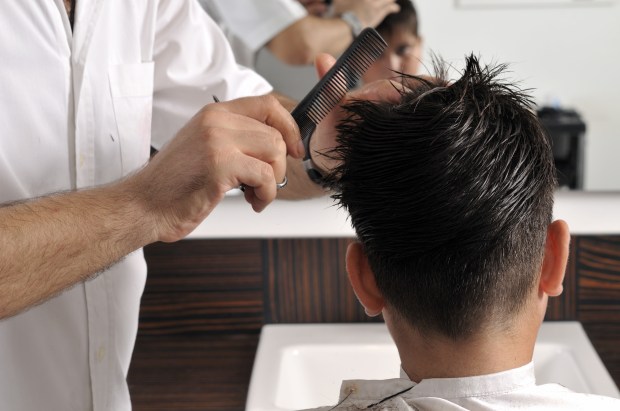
[(371, 391)]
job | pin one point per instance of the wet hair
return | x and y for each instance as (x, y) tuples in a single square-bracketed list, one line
[(450, 192), (406, 18)]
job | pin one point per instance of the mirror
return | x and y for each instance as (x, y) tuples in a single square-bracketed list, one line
[(565, 50)]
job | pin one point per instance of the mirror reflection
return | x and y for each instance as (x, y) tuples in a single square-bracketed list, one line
[(565, 50)]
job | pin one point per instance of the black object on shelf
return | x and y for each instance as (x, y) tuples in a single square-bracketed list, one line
[(566, 132)]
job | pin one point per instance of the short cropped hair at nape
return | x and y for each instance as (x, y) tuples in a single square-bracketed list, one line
[(450, 192)]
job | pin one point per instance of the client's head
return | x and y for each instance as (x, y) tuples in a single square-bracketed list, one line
[(451, 192)]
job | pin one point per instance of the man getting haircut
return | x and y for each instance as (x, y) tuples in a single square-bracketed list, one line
[(450, 193)]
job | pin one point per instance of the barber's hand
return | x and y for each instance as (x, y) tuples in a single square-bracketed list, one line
[(324, 138), (369, 12), (224, 145)]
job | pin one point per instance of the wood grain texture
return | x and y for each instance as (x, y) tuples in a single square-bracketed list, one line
[(205, 302), (307, 282), (598, 291), (196, 287), (197, 373)]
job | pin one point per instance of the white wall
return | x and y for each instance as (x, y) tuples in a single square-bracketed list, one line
[(569, 53), (566, 53)]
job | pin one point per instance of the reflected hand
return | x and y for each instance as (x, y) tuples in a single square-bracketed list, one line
[(369, 12)]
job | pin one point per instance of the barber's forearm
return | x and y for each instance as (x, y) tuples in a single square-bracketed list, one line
[(52, 243), (299, 43)]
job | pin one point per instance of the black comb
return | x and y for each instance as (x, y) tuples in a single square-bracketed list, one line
[(326, 94)]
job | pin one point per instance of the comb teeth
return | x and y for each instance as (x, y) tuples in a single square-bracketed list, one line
[(345, 74)]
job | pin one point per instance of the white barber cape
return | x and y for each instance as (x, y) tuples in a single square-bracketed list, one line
[(513, 389), (75, 111)]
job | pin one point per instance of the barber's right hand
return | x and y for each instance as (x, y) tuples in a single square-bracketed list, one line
[(223, 146), (370, 12)]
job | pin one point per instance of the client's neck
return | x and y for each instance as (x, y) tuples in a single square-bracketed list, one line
[(425, 357)]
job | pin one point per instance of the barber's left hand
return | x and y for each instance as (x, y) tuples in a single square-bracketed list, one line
[(324, 138)]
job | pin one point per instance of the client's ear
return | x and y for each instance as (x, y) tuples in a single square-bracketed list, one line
[(555, 259), (362, 280)]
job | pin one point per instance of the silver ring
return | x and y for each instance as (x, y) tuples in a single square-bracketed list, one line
[(279, 186), (282, 184)]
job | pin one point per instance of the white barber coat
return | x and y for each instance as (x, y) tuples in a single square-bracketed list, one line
[(77, 110)]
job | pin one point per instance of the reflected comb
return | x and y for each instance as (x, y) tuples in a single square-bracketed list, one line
[(326, 94)]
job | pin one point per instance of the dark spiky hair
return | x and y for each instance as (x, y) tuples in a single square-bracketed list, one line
[(450, 192)]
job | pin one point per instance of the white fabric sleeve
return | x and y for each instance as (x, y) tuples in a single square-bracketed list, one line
[(193, 62), (255, 22)]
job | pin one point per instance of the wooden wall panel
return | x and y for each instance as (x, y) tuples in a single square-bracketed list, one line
[(195, 373), (205, 302), (202, 286), (598, 285), (307, 282), (598, 291)]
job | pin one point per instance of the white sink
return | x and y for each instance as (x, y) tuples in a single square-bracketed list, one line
[(302, 366)]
